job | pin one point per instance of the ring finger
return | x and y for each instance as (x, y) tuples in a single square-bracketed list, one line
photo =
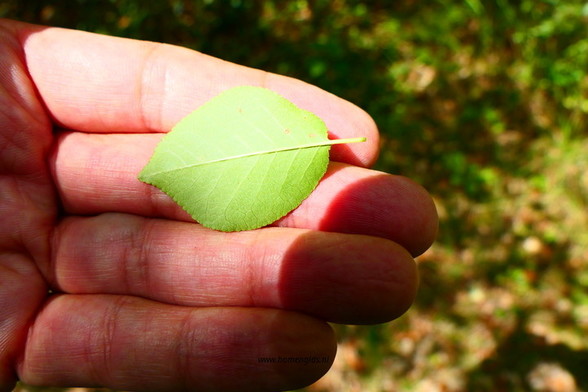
[(337, 277)]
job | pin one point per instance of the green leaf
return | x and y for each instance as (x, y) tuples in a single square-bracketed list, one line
[(242, 160)]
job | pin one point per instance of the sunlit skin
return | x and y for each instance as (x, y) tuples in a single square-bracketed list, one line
[(105, 281)]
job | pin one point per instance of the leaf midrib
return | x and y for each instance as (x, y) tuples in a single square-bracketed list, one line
[(271, 151)]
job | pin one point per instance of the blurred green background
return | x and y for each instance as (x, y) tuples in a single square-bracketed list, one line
[(485, 103)]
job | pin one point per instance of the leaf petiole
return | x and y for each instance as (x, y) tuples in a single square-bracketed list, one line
[(345, 141)]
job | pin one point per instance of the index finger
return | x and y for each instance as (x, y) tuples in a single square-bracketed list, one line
[(95, 83)]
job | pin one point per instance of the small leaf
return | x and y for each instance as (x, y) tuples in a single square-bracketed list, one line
[(242, 160)]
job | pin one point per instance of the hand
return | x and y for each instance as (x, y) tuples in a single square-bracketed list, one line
[(104, 281)]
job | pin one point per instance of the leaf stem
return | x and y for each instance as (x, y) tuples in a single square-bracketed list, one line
[(345, 141)]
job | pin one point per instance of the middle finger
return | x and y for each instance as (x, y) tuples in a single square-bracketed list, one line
[(98, 173)]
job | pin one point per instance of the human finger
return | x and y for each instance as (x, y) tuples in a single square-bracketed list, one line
[(98, 173), (128, 343), (95, 83), (336, 277)]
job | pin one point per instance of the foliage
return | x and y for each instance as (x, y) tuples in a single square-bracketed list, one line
[(484, 102)]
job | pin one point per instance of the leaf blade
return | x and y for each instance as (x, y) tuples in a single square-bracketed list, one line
[(242, 160)]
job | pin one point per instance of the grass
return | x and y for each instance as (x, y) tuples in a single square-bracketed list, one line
[(483, 102)]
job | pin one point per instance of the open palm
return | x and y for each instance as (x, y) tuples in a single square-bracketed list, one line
[(105, 281)]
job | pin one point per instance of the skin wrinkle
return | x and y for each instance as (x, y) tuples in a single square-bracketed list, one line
[(102, 366), (189, 342), (109, 342), (149, 63), (55, 245), (136, 259), (147, 338), (90, 361), (256, 276), (21, 238), (16, 358), (143, 241), (205, 352), (177, 275), (14, 144), (251, 269), (186, 334), (133, 259), (9, 197), (10, 76), (188, 284), (17, 111)]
